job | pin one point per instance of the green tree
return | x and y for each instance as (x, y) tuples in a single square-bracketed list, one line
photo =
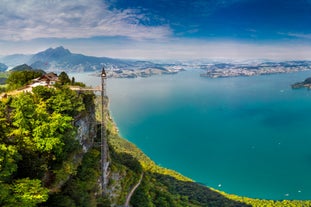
[(23, 192), (23, 120), (8, 161), (63, 78), (4, 119), (6, 199), (24, 110), (29, 193), (66, 101), (18, 79), (48, 135), (44, 93)]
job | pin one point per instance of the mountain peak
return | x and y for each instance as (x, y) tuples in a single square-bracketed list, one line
[(57, 52), (51, 54)]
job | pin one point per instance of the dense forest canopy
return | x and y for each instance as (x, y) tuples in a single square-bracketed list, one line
[(36, 137)]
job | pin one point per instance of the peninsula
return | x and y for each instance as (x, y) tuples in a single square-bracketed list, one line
[(143, 72), (224, 70)]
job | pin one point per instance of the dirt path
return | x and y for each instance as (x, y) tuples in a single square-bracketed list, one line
[(128, 197)]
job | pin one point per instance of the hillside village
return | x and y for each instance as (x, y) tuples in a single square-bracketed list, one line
[(41, 78), (47, 80)]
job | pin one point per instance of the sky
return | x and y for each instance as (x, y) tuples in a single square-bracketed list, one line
[(159, 29)]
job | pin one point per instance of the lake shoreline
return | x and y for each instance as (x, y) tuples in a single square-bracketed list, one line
[(245, 101)]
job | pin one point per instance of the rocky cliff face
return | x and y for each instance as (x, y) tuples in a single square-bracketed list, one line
[(87, 125), (86, 131)]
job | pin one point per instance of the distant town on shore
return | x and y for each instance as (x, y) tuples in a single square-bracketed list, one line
[(223, 70)]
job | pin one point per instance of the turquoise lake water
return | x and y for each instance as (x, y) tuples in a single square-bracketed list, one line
[(248, 136)]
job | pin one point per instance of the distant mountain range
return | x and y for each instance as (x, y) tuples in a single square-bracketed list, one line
[(3, 67), (14, 60), (59, 58)]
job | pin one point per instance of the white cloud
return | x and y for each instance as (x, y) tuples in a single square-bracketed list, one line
[(198, 49), (299, 35), (31, 19), (171, 48)]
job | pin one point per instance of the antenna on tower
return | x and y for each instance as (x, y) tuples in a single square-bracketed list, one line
[(103, 72)]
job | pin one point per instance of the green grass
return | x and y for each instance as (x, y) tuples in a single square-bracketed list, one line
[(4, 74)]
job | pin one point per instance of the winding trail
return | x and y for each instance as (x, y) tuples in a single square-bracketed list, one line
[(128, 197)]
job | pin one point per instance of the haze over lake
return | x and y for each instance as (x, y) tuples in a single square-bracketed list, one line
[(248, 136)]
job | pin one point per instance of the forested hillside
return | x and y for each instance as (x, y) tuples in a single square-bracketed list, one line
[(38, 148), (49, 157)]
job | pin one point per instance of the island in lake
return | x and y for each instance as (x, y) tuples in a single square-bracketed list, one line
[(305, 84)]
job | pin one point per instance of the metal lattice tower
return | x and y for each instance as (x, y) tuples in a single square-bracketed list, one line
[(104, 142)]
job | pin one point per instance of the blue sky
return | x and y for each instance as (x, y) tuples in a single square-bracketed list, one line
[(159, 29)]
